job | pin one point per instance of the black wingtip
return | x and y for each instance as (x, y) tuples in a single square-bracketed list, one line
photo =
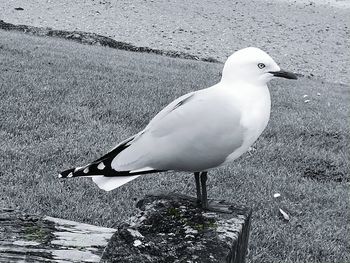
[(67, 174), (103, 166), (93, 168)]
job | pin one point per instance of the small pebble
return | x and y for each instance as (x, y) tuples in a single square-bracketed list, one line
[(284, 214), (137, 243), (276, 195)]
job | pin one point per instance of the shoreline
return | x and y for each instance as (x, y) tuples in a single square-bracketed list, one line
[(99, 40), (343, 4), (309, 39)]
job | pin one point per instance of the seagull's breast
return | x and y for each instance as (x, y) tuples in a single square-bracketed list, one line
[(255, 105), (255, 116)]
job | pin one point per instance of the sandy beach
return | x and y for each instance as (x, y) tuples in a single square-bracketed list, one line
[(308, 37)]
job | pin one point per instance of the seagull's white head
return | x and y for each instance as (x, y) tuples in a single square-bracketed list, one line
[(252, 65)]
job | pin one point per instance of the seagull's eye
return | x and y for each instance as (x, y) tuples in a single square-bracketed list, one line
[(261, 65)]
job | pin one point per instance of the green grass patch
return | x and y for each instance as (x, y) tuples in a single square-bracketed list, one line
[(64, 104)]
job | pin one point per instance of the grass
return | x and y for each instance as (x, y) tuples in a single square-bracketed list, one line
[(63, 104)]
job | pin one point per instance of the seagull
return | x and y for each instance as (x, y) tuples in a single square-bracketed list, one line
[(198, 131)]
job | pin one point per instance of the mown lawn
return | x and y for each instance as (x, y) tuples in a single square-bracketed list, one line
[(63, 104)]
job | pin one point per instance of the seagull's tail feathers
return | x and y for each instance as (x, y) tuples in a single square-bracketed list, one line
[(110, 183), (102, 173)]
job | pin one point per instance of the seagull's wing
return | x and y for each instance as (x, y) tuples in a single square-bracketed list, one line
[(102, 166), (172, 106), (198, 134)]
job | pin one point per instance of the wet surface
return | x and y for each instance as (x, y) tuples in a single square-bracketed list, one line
[(45, 239)]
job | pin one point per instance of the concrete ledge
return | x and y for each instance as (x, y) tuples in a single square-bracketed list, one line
[(171, 228)]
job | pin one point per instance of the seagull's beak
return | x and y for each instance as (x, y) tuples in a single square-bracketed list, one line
[(283, 74)]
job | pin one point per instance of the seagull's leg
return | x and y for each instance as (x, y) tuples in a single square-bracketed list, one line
[(204, 196), (212, 205), (198, 187)]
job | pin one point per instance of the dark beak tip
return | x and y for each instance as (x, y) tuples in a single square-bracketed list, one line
[(294, 76), (284, 74)]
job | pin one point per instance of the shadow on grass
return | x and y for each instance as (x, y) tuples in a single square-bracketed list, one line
[(324, 171)]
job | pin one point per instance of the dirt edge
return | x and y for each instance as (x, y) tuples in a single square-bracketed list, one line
[(99, 40)]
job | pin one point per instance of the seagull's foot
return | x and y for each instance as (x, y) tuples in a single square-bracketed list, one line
[(218, 207)]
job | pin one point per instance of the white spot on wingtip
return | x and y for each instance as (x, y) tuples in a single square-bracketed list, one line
[(77, 168), (70, 175), (101, 166), (59, 175), (86, 170)]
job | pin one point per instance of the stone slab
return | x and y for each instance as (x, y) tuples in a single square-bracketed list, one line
[(27, 238), (172, 228)]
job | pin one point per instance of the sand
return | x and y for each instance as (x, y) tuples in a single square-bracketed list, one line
[(311, 38)]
